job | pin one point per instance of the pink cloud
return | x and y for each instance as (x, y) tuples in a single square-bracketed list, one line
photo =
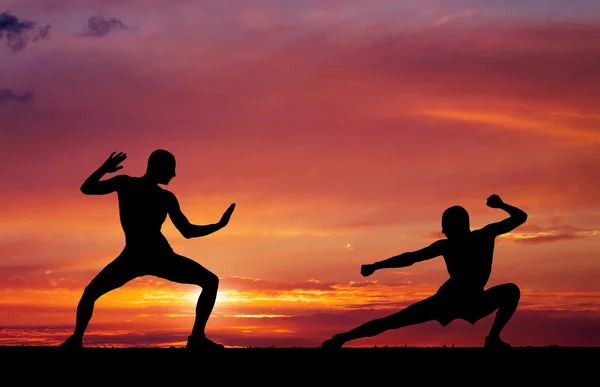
[(298, 104)]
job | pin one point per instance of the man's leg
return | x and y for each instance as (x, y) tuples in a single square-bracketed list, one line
[(113, 276), (417, 313), (504, 298), (177, 268)]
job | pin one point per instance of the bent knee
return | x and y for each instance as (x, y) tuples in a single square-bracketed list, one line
[(512, 291), (91, 293), (210, 281)]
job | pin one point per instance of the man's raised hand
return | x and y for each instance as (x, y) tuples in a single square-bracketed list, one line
[(494, 201), (112, 163), (226, 216)]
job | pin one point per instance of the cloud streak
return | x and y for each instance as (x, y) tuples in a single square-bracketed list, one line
[(18, 33), (100, 26), (9, 95)]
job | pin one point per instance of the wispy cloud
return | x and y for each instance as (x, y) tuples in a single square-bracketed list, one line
[(532, 235), (100, 26), (454, 17), (12, 96), (17, 33)]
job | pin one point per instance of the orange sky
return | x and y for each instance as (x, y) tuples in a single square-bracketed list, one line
[(342, 131)]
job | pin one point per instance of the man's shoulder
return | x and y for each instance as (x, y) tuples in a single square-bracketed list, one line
[(482, 233), (440, 244), (122, 180), (481, 230), (168, 194)]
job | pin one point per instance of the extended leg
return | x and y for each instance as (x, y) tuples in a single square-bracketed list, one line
[(416, 313), (505, 298), (183, 270), (113, 276)]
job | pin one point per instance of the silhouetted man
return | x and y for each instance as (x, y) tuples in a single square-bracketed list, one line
[(468, 256), (143, 208)]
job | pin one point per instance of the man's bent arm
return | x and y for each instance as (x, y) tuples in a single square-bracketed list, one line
[(93, 186), (517, 218), (514, 212), (185, 227), (410, 258)]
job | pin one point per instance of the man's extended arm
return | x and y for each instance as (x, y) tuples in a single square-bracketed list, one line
[(189, 230), (517, 217), (405, 259)]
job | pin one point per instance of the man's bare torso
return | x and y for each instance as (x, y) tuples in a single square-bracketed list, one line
[(469, 261), (143, 208)]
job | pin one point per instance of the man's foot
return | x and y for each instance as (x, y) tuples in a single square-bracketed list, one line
[(334, 343), (72, 343), (202, 343), (495, 343)]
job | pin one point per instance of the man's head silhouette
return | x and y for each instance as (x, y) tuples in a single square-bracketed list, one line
[(161, 166), (455, 222)]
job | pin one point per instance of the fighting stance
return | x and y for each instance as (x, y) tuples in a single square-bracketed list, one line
[(143, 208), (468, 256)]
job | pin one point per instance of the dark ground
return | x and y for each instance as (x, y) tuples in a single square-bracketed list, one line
[(286, 366)]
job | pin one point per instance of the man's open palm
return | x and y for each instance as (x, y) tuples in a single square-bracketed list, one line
[(112, 163), (227, 215)]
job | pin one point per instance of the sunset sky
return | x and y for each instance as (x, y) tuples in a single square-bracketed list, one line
[(341, 128)]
